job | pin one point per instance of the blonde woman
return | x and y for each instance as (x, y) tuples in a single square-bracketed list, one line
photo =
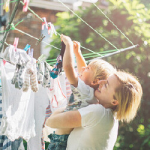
[(96, 125)]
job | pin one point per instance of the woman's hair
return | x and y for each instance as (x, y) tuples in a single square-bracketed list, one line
[(129, 95), (101, 69)]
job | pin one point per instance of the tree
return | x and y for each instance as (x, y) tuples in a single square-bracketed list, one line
[(133, 19)]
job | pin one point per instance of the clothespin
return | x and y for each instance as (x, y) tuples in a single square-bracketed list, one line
[(30, 53), (40, 39), (4, 62), (27, 47), (6, 5), (44, 23), (16, 43), (25, 7), (51, 29)]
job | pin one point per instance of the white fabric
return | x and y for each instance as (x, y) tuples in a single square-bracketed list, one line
[(56, 95), (15, 57), (41, 103), (98, 132), (83, 93), (18, 108)]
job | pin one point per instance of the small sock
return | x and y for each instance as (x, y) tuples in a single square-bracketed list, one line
[(27, 80), (46, 78), (33, 81)]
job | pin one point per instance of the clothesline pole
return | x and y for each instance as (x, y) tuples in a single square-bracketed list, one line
[(9, 24)]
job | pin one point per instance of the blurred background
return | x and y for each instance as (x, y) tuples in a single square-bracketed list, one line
[(132, 17)]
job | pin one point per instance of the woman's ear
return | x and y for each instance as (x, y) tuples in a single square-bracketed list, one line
[(95, 82), (114, 102)]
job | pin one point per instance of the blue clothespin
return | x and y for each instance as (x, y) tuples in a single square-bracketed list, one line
[(27, 47)]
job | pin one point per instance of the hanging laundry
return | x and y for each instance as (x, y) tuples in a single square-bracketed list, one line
[(17, 79), (6, 5), (15, 57), (18, 108), (40, 69), (46, 78), (41, 103), (58, 66), (56, 95), (30, 77)]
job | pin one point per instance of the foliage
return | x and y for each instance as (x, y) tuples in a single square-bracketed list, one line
[(132, 17)]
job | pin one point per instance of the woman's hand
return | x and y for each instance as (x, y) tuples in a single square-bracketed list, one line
[(76, 47), (66, 39)]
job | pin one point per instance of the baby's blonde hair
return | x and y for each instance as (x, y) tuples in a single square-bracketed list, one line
[(129, 95), (101, 69)]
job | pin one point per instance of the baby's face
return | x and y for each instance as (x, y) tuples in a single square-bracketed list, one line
[(87, 75)]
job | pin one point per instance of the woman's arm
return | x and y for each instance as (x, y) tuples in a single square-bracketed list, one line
[(61, 119)]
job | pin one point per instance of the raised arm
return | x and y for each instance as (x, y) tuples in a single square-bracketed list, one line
[(79, 57), (68, 61)]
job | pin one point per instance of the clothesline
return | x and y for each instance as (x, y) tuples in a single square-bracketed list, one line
[(94, 54), (113, 23)]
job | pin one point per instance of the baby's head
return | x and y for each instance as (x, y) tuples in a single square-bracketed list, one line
[(98, 70)]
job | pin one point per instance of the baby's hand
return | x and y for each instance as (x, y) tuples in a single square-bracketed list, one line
[(66, 39), (76, 47)]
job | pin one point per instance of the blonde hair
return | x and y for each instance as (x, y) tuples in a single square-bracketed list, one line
[(129, 95), (101, 69)]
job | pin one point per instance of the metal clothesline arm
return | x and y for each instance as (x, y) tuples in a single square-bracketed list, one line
[(9, 24)]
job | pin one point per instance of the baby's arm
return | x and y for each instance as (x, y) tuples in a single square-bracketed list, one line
[(79, 57), (68, 61)]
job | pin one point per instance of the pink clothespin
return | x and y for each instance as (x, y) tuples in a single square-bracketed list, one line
[(16, 43), (4, 62), (44, 23), (49, 27), (25, 7)]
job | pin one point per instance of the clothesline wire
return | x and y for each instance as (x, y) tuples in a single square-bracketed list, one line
[(88, 55), (52, 61), (57, 32), (86, 48), (116, 52), (44, 41), (35, 38), (88, 24), (113, 23), (9, 2)]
